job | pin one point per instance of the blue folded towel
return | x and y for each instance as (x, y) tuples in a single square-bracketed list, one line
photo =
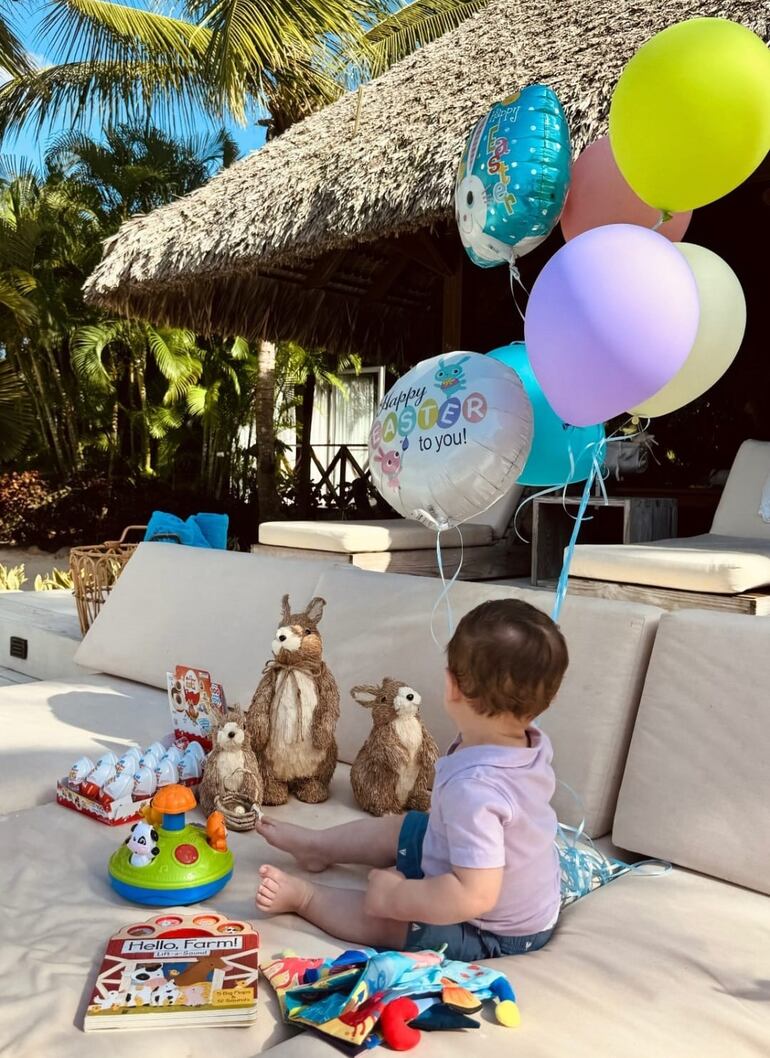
[(214, 528), (199, 530)]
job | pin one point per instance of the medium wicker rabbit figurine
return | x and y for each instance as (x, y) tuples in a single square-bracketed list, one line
[(294, 712), (393, 771)]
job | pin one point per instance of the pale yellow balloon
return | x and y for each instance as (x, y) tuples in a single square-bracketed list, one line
[(720, 333)]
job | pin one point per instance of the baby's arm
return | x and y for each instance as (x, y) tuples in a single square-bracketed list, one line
[(466, 892)]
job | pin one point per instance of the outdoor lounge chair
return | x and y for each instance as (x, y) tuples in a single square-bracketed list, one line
[(727, 568), (400, 545)]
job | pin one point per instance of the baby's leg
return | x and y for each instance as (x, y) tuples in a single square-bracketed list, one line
[(368, 841), (339, 912)]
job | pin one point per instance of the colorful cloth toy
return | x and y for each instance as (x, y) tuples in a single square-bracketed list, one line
[(366, 997)]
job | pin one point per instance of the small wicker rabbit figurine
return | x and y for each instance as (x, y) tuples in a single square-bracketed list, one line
[(231, 772), (294, 712), (393, 771)]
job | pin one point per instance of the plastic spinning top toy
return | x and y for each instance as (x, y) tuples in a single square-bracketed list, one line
[(165, 860)]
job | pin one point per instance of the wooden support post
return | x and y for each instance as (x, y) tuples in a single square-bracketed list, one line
[(452, 308), (303, 467)]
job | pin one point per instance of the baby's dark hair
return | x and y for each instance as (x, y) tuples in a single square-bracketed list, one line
[(508, 657)]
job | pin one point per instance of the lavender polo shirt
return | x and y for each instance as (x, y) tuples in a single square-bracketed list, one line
[(491, 808)]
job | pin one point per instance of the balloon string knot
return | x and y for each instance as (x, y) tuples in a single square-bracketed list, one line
[(664, 218)]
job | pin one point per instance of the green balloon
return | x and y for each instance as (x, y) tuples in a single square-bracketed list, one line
[(690, 115)]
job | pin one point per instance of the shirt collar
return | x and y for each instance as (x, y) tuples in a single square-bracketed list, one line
[(460, 758)]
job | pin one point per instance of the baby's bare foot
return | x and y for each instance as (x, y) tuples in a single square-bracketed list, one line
[(280, 893), (300, 842)]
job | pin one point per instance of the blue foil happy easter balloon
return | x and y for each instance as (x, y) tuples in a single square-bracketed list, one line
[(513, 177)]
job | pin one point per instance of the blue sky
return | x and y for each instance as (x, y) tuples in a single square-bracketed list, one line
[(31, 144)]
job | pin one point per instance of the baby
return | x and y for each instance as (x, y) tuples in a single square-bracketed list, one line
[(480, 872)]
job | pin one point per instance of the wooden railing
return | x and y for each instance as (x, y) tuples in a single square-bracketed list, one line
[(340, 483)]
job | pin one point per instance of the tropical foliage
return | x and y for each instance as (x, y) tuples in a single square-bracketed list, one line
[(224, 59), (128, 400)]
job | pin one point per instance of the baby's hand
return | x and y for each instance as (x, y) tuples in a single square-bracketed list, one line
[(381, 891)]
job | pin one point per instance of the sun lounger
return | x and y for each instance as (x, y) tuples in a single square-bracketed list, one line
[(727, 568)]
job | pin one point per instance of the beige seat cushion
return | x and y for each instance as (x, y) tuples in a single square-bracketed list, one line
[(48, 725), (378, 624), (353, 537), (395, 534), (738, 510), (695, 786), (217, 610), (721, 564), (647, 966)]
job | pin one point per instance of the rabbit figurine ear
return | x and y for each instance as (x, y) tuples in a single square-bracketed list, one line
[(285, 610), (365, 695), (315, 609)]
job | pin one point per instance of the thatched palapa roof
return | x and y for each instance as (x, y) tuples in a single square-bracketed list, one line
[(320, 235)]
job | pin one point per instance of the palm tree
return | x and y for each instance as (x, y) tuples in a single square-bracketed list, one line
[(215, 58), (136, 168), (93, 383)]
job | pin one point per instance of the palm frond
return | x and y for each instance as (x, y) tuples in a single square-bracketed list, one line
[(89, 90), (88, 346), (161, 420), (413, 26), (13, 54), (119, 32), (16, 414), (13, 298)]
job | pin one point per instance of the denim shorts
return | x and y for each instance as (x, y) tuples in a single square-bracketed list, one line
[(464, 941)]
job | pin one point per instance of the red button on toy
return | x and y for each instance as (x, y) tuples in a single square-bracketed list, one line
[(186, 853)]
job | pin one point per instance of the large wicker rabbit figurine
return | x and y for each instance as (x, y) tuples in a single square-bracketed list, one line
[(294, 712), (393, 771)]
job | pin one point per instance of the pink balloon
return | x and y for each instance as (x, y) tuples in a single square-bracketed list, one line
[(599, 194), (611, 319)]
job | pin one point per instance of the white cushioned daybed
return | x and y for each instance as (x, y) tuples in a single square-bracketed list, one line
[(732, 558), (403, 545), (666, 751)]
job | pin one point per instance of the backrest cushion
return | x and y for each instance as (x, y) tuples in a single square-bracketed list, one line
[(216, 610), (695, 786), (499, 515), (378, 624), (738, 510)]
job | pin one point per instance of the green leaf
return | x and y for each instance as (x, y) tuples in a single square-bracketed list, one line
[(16, 415)]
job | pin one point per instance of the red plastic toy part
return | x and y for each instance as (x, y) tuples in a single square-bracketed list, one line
[(394, 1024)]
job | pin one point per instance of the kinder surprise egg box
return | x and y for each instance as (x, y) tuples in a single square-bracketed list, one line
[(197, 704), (115, 789)]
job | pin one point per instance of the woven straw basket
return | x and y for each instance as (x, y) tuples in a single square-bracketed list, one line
[(94, 572)]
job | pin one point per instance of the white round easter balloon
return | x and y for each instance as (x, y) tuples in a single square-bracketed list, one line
[(450, 438)]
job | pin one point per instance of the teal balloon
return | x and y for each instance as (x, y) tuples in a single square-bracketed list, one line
[(553, 441)]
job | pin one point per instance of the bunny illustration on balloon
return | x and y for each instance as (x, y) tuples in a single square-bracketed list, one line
[(450, 378), (471, 216), (391, 465)]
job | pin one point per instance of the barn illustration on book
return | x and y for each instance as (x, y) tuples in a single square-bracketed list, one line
[(178, 964)]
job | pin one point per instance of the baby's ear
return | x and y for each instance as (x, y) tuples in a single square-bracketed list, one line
[(365, 695)]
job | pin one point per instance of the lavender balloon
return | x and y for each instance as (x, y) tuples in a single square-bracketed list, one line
[(612, 316)]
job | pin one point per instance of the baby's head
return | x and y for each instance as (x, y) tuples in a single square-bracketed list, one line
[(506, 660)]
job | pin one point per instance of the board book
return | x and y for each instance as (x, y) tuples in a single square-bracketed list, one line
[(177, 969)]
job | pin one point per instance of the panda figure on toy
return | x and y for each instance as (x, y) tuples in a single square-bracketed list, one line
[(294, 712)]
